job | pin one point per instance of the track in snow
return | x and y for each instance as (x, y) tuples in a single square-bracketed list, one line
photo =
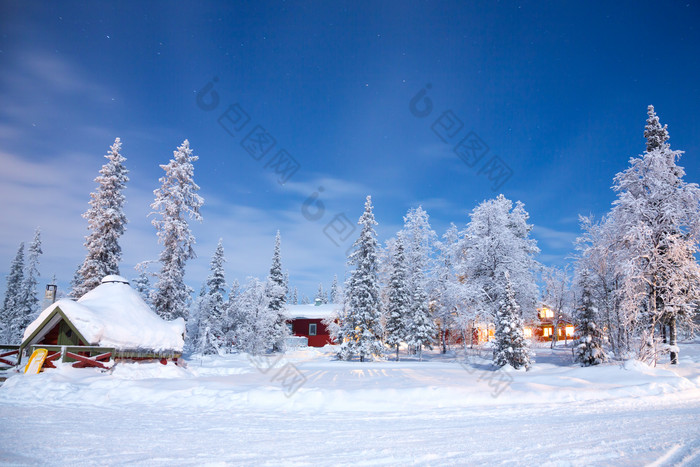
[(627, 432)]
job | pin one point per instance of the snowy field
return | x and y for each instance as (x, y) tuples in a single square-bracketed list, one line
[(306, 409)]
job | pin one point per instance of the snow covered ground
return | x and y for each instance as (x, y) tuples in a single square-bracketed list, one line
[(307, 409)]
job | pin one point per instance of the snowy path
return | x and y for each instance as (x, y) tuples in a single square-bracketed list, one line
[(628, 433)]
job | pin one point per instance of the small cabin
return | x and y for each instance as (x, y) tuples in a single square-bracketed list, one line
[(110, 319), (543, 329), (307, 321)]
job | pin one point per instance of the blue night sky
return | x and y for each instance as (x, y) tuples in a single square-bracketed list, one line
[(557, 91)]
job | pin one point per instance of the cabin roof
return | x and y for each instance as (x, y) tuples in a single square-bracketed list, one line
[(311, 311), (113, 315)]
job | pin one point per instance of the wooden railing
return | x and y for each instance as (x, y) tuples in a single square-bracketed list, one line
[(94, 358), (7, 350)]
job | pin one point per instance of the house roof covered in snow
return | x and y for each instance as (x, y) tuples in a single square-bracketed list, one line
[(312, 311), (113, 315)]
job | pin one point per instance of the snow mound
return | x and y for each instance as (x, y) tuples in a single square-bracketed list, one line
[(311, 381)]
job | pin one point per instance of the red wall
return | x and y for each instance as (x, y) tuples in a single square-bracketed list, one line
[(300, 327)]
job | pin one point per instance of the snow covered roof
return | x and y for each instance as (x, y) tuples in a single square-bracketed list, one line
[(311, 311), (113, 278), (114, 315)]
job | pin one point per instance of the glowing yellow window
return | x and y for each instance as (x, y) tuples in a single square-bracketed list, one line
[(546, 332), (546, 313), (527, 332), (569, 331)]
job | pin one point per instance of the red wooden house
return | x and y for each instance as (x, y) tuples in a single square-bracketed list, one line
[(544, 327), (307, 321)]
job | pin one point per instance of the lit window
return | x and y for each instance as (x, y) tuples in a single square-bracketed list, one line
[(312, 329), (546, 313), (527, 332), (546, 332), (569, 331)]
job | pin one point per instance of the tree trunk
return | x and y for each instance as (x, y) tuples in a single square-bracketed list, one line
[(663, 333), (397, 352), (673, 340), (444, 339)]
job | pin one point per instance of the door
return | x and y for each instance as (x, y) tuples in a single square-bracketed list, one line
[(66, 336)]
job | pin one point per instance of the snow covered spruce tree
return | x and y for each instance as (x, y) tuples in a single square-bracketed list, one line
[(588, 349), (658, 216), (398, 303), (212, 316), (142, 284), (335, 294), (9, 333), (106, 223), (276, 293), (510, 346), (175, 200), (321, 294), (497, 241), (421, 327), (29, 301), (361, 328)]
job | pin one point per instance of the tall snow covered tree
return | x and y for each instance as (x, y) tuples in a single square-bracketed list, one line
[(658, 216), (13, 299), (212, 314), (254, 323), (276, 293), (510, 346), (335, 294), (233, 293), (361, 327), (175, 201), (398, 303), (142, 284), (321, 294), (588, 349), (497, 240), (446, 288), (106, 223), (557, 296), (419, 241), (421, 327), (29, 302), (598, 256)]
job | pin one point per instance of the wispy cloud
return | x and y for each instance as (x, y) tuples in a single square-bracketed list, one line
[(554, 239)]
